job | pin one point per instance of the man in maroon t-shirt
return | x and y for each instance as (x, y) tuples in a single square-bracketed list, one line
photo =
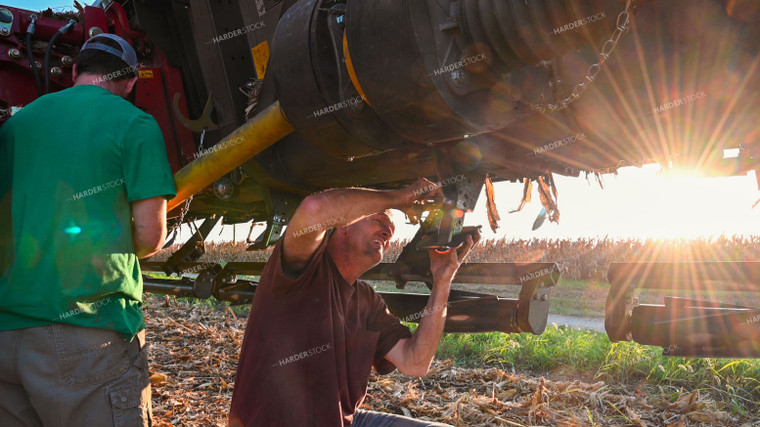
[(315, 331)]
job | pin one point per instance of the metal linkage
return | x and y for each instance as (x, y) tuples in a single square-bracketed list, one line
[(193, 248), (684, 326)]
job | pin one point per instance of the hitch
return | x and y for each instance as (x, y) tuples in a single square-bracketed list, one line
[(683, 326)]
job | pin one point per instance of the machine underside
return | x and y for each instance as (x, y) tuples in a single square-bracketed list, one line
[(262, 103)]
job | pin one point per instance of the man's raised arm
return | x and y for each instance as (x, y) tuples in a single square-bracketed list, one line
[(339, 207), (413, 356)]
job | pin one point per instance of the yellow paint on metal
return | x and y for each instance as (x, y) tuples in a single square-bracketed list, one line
[(145, 74), (351, 72), (252, 138), (260, 54)]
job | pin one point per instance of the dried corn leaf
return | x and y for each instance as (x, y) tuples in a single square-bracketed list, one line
[(493, 213), (526, 195), (199, 364), (547, 191)]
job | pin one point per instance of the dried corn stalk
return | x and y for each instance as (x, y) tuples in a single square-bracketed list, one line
[(493, 214), (527, 190), (547, 190)]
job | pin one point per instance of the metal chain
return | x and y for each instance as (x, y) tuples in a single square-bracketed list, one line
[(186, 206), (622, 26)]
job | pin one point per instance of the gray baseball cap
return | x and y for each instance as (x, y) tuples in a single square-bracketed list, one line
[(127, 53)]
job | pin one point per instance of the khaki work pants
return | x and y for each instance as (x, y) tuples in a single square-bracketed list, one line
[(63, 375)]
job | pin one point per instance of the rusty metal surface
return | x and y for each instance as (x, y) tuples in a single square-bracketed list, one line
[(486, 313), (466, 311)]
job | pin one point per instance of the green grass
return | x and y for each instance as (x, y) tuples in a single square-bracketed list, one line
[(591, 356), (556, 349)]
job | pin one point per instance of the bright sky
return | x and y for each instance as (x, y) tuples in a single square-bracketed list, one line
[(636, 203), (42, 4)]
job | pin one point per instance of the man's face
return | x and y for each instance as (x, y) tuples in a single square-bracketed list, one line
[(372, 235)]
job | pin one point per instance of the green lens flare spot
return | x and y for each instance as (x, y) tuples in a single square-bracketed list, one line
[(72, 230)]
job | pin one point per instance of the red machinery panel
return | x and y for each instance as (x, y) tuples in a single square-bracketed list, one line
[(19, 40)]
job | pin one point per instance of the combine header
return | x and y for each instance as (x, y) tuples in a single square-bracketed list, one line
[(264, 102)]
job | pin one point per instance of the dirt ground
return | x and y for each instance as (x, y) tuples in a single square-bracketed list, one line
[(194, 351)]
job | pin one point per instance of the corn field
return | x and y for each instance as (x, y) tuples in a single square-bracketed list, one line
[(580, 259)]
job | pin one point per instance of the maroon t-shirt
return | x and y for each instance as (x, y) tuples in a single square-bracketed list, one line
[(309, 347)]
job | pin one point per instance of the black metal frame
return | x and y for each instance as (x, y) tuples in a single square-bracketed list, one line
[(467, 311), (685, 327)]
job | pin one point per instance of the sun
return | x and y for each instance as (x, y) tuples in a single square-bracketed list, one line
[(687, 206)]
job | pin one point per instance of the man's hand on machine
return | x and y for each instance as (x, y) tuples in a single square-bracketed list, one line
[(419, 197)]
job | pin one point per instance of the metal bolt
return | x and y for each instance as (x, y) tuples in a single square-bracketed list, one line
[(4, 31), (545, 297), (56, 72), (67, 60), (223, 188), (14, 53), (94, 31), (537, 297)]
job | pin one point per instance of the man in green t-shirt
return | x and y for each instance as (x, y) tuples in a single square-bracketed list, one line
[(84, 179)]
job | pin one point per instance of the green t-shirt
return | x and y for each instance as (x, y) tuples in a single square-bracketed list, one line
[(70, 164)]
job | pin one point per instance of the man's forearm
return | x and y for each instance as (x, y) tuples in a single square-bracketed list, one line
[(340, 207), (413, 356), (421, 347), (142, 249)]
